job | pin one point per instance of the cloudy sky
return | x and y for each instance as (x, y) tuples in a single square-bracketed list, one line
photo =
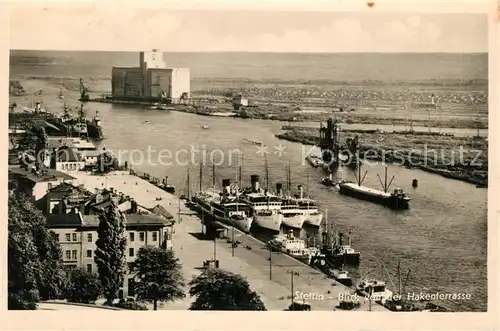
[(108, 28)]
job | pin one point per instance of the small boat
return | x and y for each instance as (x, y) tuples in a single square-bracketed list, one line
[(314, 160), (290, 245), (257, 142), (158, 106), (146, 122), (204, 127), (61, 95), (375, 290), (341, 276), (328, 181)]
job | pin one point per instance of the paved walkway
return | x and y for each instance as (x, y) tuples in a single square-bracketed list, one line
[(322, 293)]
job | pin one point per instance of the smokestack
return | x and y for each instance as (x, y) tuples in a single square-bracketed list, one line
[(432, 99), (133, 206), (279, 189), (225, 186), (254, 179), (301, 191)]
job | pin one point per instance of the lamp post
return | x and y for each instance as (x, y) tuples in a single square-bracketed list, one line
[(270, 264), (292, 296)]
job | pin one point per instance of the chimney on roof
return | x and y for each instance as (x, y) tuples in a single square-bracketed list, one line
[(133, 206)]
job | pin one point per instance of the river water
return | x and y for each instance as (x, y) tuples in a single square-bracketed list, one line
[(441, 238)]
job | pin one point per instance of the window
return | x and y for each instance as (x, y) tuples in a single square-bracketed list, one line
[(89, 253), (74, 236), (68, 255), (155, 236), (73, 254), (56, 236), (68, 236), (89, 237), (131, 252), (89, 268), (132, 236), (141, 236)]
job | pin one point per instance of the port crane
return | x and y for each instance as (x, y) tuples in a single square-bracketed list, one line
[(84, 95)]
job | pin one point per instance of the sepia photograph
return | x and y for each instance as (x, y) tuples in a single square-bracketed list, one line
[(191, 159)]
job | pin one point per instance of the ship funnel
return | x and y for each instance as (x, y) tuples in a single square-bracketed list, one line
[(301, 191), (226, 183), (279, 189), (254, 179)]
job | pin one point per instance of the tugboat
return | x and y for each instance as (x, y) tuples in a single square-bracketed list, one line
[(290, 245), (395, 200), (375, 290)]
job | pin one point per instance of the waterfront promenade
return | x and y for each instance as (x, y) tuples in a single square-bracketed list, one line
[(253, 264)]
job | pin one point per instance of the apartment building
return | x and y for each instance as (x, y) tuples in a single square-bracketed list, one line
[(77, 235)]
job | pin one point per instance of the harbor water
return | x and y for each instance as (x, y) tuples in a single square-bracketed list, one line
[(442, 238)]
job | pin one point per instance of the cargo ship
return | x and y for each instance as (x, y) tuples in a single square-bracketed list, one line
[(397, 199)]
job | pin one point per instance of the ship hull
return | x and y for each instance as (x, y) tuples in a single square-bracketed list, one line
[(296, 221), (94, 131), (314, 220), (272, 222), (241, 224), (388, 201)]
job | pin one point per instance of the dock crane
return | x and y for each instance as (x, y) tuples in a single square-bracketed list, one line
[(84, 96)]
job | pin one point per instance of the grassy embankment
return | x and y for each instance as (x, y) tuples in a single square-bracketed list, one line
[(462, 158)]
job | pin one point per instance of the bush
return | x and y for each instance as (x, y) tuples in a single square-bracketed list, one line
[(83, 287), (130, 305)]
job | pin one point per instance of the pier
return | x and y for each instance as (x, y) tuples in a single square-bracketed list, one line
[(287, 274)]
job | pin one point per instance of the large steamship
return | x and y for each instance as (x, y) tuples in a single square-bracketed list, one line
[(293, 216), (225, 206), (265, 207)]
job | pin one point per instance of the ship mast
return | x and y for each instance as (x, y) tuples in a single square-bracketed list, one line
[(385, 186), (201, 176), (267, 175), (213, 175), (358, 177), (188, 185)]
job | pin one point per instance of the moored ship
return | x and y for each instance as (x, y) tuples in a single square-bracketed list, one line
[(397, 199), (309, 208), (295, 247), (293, 216), (224, 207), (265, 207)]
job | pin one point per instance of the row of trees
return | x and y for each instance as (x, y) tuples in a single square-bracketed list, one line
[(35, 268)]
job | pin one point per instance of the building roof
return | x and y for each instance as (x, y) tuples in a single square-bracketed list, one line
[(67, 154), (76, 220), (49, 175), (161, 211), (77, 143)]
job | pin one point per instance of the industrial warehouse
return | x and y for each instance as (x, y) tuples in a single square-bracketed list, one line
[(151, 81)]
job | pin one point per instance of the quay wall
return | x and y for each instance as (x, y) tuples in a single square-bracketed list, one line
[(253, 264)]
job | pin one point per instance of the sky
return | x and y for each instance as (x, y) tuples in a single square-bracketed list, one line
[(125, 29)]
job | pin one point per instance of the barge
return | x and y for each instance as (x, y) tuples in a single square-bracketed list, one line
[(397, 199)]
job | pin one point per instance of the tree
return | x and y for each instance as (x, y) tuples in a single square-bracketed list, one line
[(23, 268), (83, 287), (47, 262), (40, 147), (217, 289), (159, 276), (110, 253)]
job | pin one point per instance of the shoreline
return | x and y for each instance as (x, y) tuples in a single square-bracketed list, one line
[(476, 175)]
